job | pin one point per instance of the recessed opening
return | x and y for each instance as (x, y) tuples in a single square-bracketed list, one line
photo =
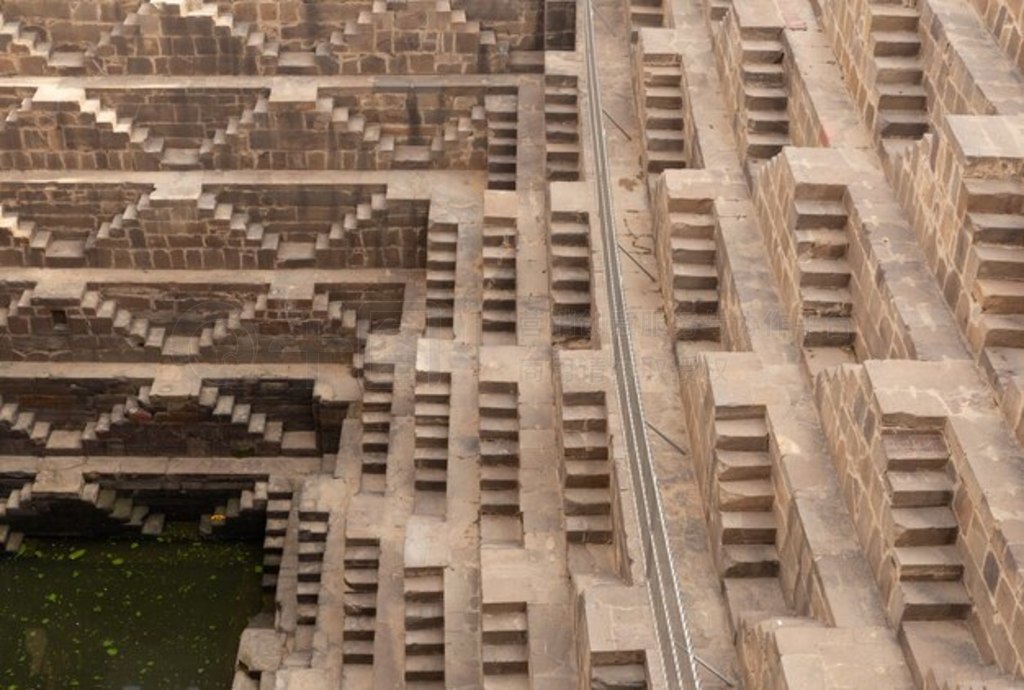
[(60, 319)]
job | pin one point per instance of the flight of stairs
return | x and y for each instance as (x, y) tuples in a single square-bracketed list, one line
[(107, 316), (765, 97), (123, 509), (505, 642), (120, 509), (899, 74), (312, 546), (424, 629), (587, 486), (994, 270), (646, 14), (362, 572), (662, 111), (927, 595), (499, 281), (562, 127), (279, 507), (569, 247), (36, 54), (442, 241), (929, 569), (500, 510), (433, 408), (249, 506), (694, 264), (744, 495), (267, 434), (825, 275), (502, 140), (378, 388)]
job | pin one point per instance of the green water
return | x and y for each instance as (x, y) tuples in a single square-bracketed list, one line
[(114, 614)]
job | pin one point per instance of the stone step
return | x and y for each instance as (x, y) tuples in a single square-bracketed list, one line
[(764, 145), (760, 97), (826, 301), (765, 75), (762, 51), (820, 214), (915, 451), (933, 600), (589, 529), (898, 70), (904, 124), (505, 659), (919, 488), (747, 527), (689, 276), (891, 17), (587, 501), (822, 243), (768, 121), (749, 560), (928, 563), (900, 43), (824, 273), (947, 652), (749, 434), (997, 228), (819, 331), (739, 465), (695, 301), (586, 474), (910, 97), (746, 495), (923, 526)]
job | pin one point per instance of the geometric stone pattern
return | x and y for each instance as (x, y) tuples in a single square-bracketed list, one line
[(336, 273)]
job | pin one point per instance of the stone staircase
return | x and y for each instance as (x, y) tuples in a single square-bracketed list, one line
[(378, 392), (141, 333), (929, 569), (562, 127), (825, 275), (36, 54), (694, 262), (241, 41), (646, 14), (424, 628), (313, 526), (993, 272), (661, 99), (899, 74), (764, 94), (29, 501), (502, 140), (499, 280), (442, 245), (501, 514), (587, 482), (432, 410), (248, 507), (362, 573), (744, 533), (927, 596), (268, 435), (571, 298), (278, 509), (506, 652)]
